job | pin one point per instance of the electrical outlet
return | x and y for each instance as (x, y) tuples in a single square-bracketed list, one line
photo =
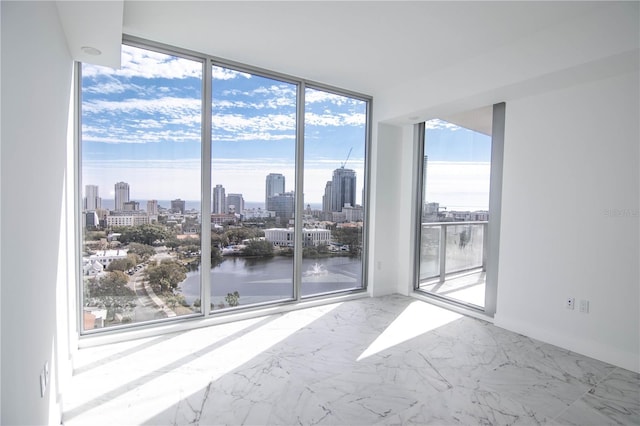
[(43, 385), (570, 302), (44, 378), (46, 373), (584, 306)]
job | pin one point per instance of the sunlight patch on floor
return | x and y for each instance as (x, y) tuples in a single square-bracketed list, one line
[(417, 318)]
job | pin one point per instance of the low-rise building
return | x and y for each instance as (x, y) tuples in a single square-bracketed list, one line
[(127, 219), (258, 214), (284, 237), (223, 219), (91, 267), (353, 213), (105, 257)]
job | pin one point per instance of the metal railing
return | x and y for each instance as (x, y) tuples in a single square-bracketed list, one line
[(452, 247)]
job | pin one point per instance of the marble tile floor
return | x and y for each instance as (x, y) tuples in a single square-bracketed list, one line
[(467, 287), (391, 360)]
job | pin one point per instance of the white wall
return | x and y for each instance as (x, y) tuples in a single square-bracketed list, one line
[(386, 211), (36, 83), (570, 219), (598, 43)]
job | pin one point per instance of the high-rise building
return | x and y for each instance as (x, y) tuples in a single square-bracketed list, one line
[(121, 195), (282, 204), (326, 198), (131, 206), (274, 185), (178, 205), (343, 189), (92, 200), (219, 201), (152, 207), (235, 202)]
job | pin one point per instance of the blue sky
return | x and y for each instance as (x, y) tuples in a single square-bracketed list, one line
[(458, 166), (141, 124)]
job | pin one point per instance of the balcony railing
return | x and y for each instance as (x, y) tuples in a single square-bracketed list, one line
[(464, 249)]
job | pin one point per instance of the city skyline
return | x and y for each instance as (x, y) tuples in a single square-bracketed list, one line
[(141, 125)]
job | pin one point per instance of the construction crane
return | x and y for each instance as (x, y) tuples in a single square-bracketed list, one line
[(345, 161)]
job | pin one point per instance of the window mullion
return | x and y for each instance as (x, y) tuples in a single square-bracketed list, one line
[(299, 200), (205, 225)]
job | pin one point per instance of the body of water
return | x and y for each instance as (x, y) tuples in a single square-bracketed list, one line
[(195, 205), (264, 280)]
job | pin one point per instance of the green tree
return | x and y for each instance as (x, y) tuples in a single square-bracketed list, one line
[(216, 256), (94, 236), (121, 264), (144, 234), (142, 250), (258, 248), (189, 249), (351, 237), (236, 235), (233, 299), (172, 243), (166, 276), (219, 240), (110, 291)]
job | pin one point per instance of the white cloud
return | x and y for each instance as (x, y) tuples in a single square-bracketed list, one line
[(340, 119), (436, 123), (142, 120), (147, 64), (220, 73), (110, 87), (143, 137), (171, 106), (312, 96), (274, 97), (262, 127)]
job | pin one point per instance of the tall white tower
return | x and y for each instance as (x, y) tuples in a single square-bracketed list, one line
[(219, 200), (92, 200), (152, 207), (343, 189), (121, 195), (237, 201), (274, 185)]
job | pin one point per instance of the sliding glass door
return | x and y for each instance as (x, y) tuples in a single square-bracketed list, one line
[(460, 169)]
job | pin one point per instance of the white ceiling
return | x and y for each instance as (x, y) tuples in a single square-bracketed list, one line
[(380, 48), (358, 45), (95, 24)]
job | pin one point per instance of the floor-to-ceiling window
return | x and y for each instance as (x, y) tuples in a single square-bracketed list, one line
[(189, 164), (459, 170), (141, 173), (253, 179), (334, 182)]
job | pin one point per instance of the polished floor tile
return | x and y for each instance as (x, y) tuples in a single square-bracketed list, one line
[(392, 360)]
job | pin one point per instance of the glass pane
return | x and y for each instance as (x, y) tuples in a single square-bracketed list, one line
[(430, 252), (140, 166), (334, 159), (455, 201), (464, 247), (253, 176)]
